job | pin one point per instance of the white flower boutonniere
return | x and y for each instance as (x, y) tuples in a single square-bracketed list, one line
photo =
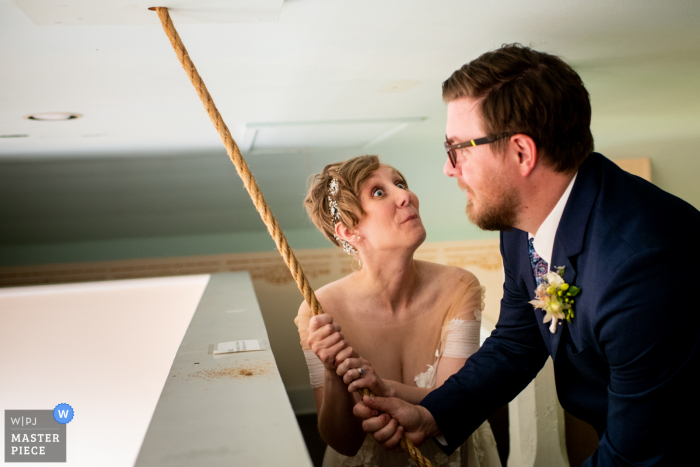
[(556, 298)]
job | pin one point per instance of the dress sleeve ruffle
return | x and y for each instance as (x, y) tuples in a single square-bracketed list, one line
[(314, 364), (461, 338), (461, 328)]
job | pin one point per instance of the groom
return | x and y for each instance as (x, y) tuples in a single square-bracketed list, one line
[(519, 144)]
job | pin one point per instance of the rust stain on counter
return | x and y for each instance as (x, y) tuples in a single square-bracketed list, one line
[(246, 370)]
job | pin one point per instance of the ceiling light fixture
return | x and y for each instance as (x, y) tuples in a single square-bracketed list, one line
[(53, 116)]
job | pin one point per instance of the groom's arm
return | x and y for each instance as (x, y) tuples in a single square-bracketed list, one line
[(649, 334), (504, 365)]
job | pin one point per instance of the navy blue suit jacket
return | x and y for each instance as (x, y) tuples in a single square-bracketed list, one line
[(626, 363)]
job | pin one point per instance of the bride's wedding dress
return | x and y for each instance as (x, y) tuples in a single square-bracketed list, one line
[(478, 451), (455, 337)]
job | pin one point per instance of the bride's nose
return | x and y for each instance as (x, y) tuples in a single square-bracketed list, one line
[(403, 198)]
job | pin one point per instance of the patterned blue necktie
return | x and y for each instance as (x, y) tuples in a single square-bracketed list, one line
[(539, 266)]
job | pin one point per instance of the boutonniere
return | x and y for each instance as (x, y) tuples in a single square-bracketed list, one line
[(556, 298)]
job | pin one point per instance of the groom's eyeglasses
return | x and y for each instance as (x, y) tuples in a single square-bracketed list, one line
[(452, 148)]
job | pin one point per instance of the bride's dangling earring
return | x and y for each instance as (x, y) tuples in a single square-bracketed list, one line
[(359, 261), (354, 257)]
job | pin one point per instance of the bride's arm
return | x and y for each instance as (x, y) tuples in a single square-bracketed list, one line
[(387, 388), (447, 366), (412, 394), (337, 425)]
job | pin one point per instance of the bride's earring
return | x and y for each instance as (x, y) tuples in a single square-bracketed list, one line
[(359, 261), (356, 252)]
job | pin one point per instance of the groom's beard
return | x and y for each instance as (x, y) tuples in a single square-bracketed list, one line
[(498, 208)]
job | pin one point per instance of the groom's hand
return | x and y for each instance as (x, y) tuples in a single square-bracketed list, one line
[(398, 418)]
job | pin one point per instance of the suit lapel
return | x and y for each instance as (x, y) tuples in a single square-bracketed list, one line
[(569, 240), (561, 259)]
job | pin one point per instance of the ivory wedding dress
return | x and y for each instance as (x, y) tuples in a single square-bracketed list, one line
[(455, 335)]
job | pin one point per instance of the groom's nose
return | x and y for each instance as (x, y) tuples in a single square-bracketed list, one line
[(448, 170)]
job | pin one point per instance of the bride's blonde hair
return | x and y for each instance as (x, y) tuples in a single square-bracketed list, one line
[(350, 175)]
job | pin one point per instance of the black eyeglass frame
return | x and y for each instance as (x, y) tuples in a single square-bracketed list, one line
[(452, 154)]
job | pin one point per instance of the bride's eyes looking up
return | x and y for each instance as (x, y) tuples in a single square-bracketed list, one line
[(378, 191)]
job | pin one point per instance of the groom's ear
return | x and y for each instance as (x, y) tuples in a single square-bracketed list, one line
[(524, 150)]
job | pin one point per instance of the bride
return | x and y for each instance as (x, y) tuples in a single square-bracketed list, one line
[(397, 326)]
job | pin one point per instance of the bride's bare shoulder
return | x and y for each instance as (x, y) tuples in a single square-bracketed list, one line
[(331, 295), (448, 275), (457, 288)]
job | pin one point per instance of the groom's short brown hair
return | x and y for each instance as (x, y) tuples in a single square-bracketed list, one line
[(533, 93)]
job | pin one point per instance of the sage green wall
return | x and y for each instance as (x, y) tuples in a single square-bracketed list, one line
[(416, 152)]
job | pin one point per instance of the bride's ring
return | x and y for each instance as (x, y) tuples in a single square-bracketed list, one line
[(361, 371)]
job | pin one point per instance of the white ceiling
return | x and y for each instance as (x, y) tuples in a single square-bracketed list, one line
[(305, 83), (120, 12), (344, 60)]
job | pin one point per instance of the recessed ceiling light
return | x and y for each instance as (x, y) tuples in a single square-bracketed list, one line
[(53, 116)]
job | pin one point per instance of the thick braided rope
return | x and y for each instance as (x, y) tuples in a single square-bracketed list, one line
[(254, 191), (241, 167)]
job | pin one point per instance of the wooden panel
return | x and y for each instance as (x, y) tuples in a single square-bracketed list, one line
[(640, 167)]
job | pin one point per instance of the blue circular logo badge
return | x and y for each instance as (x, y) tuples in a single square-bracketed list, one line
[(63, 413)]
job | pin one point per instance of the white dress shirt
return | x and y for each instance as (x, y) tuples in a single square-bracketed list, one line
[(544, 238)]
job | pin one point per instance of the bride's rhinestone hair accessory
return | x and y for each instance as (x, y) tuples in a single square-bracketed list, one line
[(333, 187), (349, 249), (334, 211)]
